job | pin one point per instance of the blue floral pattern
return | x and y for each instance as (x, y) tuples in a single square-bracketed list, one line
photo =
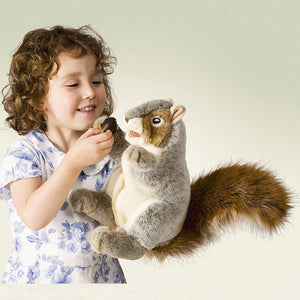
[(60, 252)]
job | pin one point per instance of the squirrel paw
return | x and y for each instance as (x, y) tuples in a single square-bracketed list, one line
[(140, 156), (76, 201), (116, 243), (81, 200)]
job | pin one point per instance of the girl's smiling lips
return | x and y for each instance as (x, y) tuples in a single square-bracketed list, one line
[(87, 109)]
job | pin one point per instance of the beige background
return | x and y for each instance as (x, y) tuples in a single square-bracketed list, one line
[(235, 66)]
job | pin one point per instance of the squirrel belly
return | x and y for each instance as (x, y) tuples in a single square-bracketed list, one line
[(140, 209)]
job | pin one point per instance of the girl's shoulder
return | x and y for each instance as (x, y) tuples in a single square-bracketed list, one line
[(22, 159), (26, 148), (36, 144), (22, 144)]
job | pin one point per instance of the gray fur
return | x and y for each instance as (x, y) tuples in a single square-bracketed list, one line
[(116, 243), (119, 146), (99, 205), (147, 107), (169, 178)]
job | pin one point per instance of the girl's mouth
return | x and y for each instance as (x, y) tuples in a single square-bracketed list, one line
[(87, 108)]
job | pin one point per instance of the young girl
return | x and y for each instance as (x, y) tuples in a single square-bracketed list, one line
[(58, 87)]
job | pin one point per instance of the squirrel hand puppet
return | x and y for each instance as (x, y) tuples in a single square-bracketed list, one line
[(148, 204)]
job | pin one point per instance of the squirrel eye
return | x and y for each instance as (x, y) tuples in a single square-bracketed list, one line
[(157, 121)]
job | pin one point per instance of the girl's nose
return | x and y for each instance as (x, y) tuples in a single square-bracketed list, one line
[(88, 91)]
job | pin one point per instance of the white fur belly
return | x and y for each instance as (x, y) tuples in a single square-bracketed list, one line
[(115, 184), (131, 201)]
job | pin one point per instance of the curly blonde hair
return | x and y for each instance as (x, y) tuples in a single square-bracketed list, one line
[(33, 64)]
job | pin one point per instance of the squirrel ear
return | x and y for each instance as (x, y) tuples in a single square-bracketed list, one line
[(177, 112), (126, 120)]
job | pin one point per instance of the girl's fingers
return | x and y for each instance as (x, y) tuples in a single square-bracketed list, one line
[(89, 133), (106, 143), (96, 135), (102, 137)]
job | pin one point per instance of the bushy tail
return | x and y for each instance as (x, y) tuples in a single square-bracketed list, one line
[(222, 197)]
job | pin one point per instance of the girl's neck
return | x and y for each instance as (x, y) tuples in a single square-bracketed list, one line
[(62, 140)]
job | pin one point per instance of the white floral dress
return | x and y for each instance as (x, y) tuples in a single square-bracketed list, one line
[(60, 252)]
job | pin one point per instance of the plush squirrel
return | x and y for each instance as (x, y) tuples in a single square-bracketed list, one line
[(148, 205)]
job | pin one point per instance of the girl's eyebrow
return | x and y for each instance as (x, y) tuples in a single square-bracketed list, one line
[(98, 71), (75, 74), (68, 75)]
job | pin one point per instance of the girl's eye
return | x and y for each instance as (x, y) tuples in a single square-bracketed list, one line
[(97, 82), (73, 85)]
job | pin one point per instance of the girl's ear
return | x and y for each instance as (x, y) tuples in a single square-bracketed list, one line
[(45, 104), (177, 112)]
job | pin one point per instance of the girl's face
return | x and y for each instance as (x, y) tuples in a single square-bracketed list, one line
[(76, 95)]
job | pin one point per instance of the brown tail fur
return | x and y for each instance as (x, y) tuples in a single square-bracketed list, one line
[(220, 198)]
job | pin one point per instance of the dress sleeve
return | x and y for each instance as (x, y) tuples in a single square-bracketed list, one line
[(20, 161)]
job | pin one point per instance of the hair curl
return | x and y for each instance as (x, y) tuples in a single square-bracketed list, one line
[(33, 64)]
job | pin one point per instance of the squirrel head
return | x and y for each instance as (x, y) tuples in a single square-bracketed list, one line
[(151, 122)]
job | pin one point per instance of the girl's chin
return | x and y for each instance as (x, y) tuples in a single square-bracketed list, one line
[(88, 124)]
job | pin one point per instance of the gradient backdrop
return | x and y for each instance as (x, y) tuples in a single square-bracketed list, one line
[(235, 66)]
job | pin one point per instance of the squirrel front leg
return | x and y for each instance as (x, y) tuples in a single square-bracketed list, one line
[(141, 157), (97, 205), (119, 146)]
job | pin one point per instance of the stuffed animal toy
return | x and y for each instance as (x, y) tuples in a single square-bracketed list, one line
[(148, 205)]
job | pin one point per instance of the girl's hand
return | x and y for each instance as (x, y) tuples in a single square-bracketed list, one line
[(90, 148), (36, 203)]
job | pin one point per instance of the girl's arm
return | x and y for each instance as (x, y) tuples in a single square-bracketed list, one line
[(36, 203)]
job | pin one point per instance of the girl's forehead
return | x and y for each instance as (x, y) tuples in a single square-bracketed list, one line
[(71, 58), (69, 63)]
